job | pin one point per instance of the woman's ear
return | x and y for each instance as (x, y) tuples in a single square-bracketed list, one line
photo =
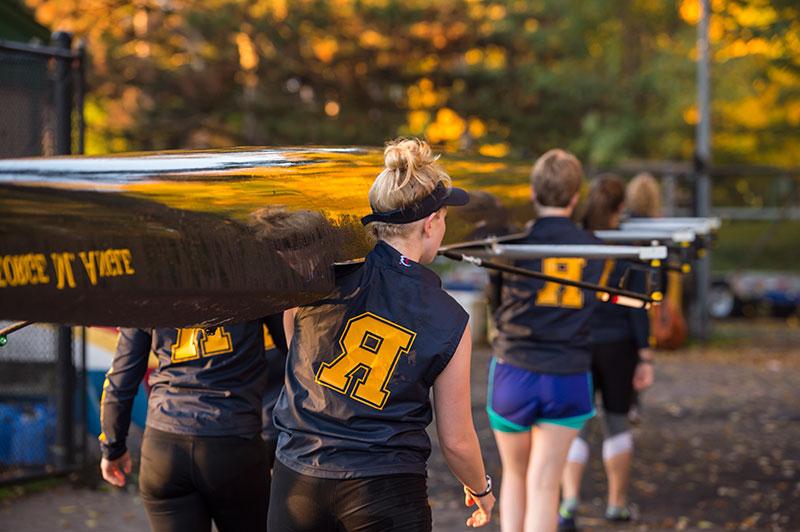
[(574, 200), (427, 226)]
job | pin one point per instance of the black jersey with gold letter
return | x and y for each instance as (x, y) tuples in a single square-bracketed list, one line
[(209, 382), (360, 368), (616, 323), (543, 326)]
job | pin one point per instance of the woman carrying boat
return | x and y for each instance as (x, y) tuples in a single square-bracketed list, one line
[(352, 448)]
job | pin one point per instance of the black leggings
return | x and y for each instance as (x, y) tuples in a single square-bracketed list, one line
[(186, 481), (301, 503), (613, 366)]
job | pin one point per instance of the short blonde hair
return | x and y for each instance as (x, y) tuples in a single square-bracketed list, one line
[(411, 172), (643, 196), (556, 177)]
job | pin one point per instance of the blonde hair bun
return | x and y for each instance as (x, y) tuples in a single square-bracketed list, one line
[(411, 172), (406, 157)]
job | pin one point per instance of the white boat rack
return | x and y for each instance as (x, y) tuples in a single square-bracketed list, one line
[(590, 251), (682, 236)]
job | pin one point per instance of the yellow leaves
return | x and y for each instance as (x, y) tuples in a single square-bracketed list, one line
[(435, 32), (477, 128), (495, 58), (752, 112), (690, 11), (753, 16), (140, 20), (501, 149), (332, 108), (325, 48), (742, 48), (793, 113), (477, 11), (47, 13), (373, 39), (142, 49), (429, 63), (424, 95), (496, 12), (178, 60), (531, 25), (716, 29), (277, 8), (420, 30), (417, 121), (690, 115), (447, 127), (456, 30), (473, 56), (492, 58), (248, 57)]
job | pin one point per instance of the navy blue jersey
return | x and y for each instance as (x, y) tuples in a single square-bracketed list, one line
[(275, 353), (361, 364), (209, 382), (543, 326), (612, 323)]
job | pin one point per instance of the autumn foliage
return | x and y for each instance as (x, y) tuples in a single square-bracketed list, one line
[(608, 79)]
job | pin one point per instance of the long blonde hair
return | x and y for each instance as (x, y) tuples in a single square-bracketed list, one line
[(643, 196), (411, 172)]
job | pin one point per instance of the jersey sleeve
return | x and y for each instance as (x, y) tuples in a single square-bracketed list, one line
[(119, 389)]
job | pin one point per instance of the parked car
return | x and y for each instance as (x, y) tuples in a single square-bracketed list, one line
[(755, 294)]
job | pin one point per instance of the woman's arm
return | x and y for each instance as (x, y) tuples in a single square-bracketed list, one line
[(457, 436), (116, 403)]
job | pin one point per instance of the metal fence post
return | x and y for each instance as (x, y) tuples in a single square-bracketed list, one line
[(702, 185), (65, 371), (80, 92), (65, 414), (62, 98)]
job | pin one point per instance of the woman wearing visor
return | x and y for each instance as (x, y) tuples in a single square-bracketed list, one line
[(352, 448)]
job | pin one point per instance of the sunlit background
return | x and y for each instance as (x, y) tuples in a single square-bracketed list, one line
[(609, 79), (492, 85)]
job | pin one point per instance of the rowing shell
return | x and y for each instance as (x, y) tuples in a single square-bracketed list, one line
[(205, 238)]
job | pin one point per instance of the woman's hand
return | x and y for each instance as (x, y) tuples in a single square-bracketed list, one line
[(483, 514), (114, 471), (644, 374)]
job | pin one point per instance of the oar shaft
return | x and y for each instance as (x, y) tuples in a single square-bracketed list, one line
[(14, 327), (538, 275)]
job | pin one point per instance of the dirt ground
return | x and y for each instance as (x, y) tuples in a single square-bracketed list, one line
[(718, 448)]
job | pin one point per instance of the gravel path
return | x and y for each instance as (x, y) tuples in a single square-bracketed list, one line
[(718, 448)]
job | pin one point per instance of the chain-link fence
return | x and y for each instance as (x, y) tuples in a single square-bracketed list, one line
[(42, 377), (42, 89), (41, 402)]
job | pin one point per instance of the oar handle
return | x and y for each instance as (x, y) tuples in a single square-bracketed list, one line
[(4, 332)]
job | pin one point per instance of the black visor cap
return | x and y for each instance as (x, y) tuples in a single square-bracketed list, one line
[(456, 197), (438, 198)]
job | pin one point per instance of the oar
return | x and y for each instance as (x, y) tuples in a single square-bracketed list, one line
[(617, 296), (12, 328)]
